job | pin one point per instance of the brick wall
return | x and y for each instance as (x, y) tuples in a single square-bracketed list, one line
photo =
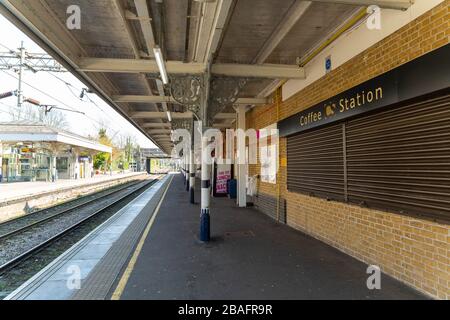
[(412, 250)]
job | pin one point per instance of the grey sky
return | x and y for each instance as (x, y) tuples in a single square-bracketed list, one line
[(82, 124)]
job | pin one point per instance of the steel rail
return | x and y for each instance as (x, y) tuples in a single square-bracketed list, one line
[(64, 211), (23, 256), (67, 202)]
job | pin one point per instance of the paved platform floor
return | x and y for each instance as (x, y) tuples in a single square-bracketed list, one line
[(250, 257), (17, 190), (95, 256)]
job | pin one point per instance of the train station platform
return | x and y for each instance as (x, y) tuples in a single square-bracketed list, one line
[(250, 257), (14, 197), (150, 250)]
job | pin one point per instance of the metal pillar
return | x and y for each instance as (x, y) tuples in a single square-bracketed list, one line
[(192, 177), (183, 169), (205, 193), (22, 63), (76, 169), (1, 161), (183, 166), (241, 198), (53, 168), (187, 171)]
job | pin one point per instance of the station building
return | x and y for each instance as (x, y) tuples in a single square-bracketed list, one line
[(372, 178), (36, 152), (363, 114)]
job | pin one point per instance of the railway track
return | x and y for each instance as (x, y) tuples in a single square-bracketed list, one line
[(9, 227), (21, 238)]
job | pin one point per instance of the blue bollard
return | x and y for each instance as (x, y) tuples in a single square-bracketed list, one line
[(205, 226)]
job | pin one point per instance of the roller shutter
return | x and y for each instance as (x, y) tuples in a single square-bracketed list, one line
[(399, 159), (315, 163)]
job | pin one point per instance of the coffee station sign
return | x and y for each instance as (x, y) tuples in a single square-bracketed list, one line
[(423, 75)]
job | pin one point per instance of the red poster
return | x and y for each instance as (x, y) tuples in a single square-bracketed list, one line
[(223, 175)]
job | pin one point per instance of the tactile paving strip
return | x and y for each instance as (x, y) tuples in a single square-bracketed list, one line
[(98, 284)]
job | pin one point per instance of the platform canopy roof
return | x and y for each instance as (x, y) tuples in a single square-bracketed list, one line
[(28, 131), (263, 41)]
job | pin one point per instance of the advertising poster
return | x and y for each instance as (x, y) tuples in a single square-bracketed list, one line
[(223, 175)]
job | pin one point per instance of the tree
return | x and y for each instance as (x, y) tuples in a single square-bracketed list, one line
[(102, 160), (126, 153), (54, 118)]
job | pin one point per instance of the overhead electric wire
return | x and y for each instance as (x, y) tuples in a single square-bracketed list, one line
[(39, 90), (90, 118), (6, 48), (69, 86)]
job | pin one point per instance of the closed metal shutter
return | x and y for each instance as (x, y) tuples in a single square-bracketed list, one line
[(316, 162), (399, 159)]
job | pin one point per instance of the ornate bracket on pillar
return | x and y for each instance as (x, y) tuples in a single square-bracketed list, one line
[(186, 124), (187, 90), (224, 93), (204, 95), (182, 124)]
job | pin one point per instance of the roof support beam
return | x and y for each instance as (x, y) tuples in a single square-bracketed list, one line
[(138, 66), (214, 16), (175, 115), (160, 135), (178, 67), (160, 115), (251, 101), (270, 88), (155, 125), (123, 15), (142, 9), (259, 71), (146, 26), (143, 99), (137, 53), (168, 99), (149, 36), (159, 131), (386, 4), (223, 125), (224, 116), (296, 11)]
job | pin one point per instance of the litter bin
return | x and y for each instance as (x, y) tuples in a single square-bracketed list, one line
[(232, 188)]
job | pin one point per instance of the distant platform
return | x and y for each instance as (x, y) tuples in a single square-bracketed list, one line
[(15, 196)]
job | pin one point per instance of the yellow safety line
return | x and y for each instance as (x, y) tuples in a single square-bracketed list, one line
[(126, 275)]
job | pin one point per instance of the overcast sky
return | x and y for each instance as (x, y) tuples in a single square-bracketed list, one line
[(55, 89)]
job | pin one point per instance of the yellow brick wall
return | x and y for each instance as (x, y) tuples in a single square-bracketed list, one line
[(415, 251)]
